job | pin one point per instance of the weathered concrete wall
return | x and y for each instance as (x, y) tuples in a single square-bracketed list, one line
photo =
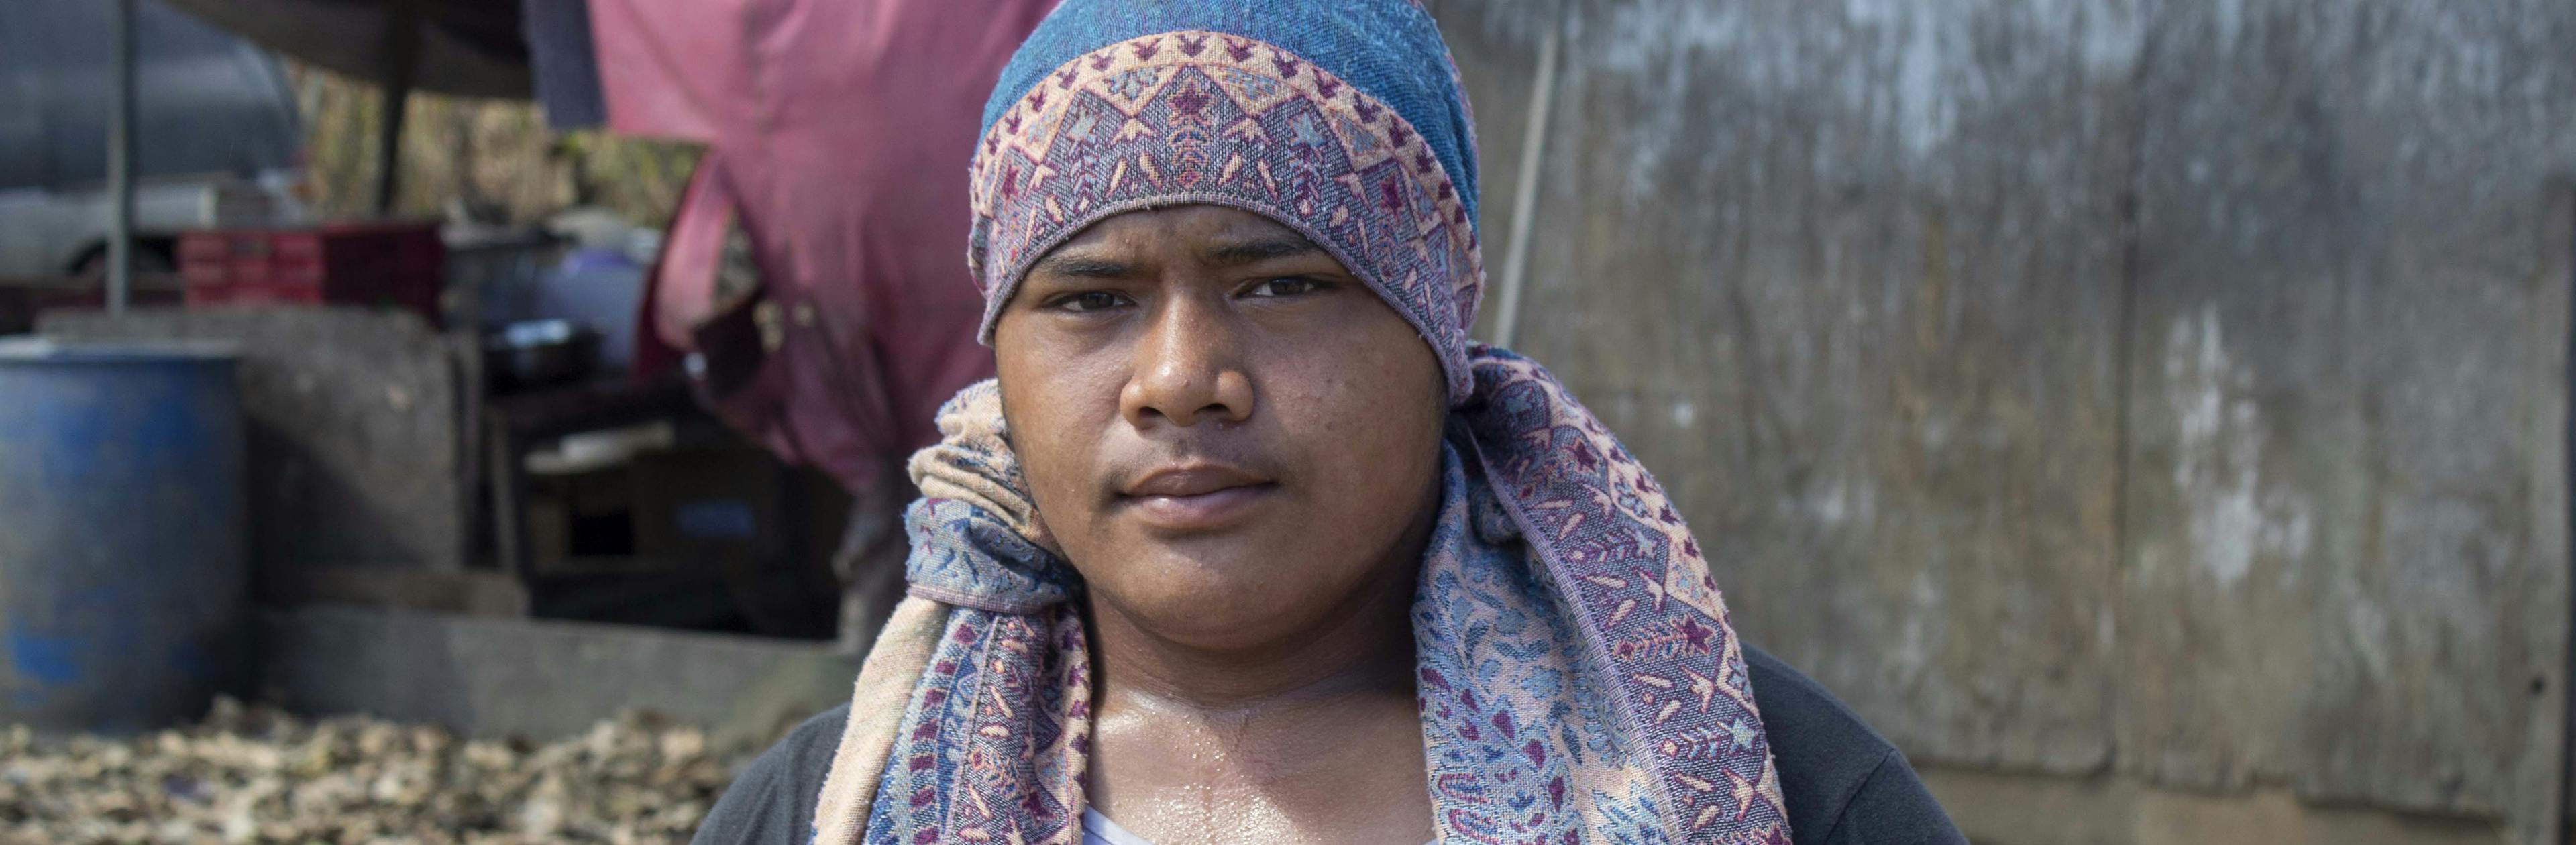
[(2348, 563), (2002, 808), (1819, 319), (541, 680), (353, 429), (2161, 388)]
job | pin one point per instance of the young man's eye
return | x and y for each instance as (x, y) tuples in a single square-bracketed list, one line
[(1286, 286), (1090, 300)]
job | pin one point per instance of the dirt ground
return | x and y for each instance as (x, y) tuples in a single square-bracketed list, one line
[(250, 775)]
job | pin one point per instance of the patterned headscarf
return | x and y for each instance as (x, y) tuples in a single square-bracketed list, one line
[(1577, 675)]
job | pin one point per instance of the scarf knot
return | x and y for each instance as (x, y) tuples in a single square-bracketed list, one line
[(976, 539)]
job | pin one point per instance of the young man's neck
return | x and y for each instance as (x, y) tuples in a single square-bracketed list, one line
[(1315, 736), (1363, 648)]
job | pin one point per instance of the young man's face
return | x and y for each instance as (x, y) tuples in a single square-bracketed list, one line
[(1231, 437)]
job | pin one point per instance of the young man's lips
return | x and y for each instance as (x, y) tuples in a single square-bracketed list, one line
[(1196, 498), (1200, 511)]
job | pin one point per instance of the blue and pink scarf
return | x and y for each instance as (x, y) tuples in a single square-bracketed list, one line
[(1578, 677)]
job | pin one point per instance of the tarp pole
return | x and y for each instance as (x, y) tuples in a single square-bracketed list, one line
[(402, 57), (120, 160), (1507, 322)]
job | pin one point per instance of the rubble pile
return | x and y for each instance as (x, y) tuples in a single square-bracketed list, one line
[(254, 775)]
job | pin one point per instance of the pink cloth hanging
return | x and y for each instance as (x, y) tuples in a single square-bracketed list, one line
[(838, 133)]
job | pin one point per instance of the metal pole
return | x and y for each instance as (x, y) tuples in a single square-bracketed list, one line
[(1525, 195), (401, 52), (120, 161), (2559, 238)]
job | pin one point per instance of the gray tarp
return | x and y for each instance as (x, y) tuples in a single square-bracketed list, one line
[(209, 101), (469, 47)]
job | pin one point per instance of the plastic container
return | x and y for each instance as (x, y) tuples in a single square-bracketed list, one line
[(123, 581)]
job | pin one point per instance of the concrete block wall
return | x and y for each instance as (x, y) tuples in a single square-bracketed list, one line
[(2160, 398), (353, 416), (541, 679)]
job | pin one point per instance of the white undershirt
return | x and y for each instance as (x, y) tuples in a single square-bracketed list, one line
[(1097, 829)]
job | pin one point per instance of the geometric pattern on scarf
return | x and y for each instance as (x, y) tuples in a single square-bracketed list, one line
[(993, 744), (1578, 677), (1680, 755), (1207, 117)]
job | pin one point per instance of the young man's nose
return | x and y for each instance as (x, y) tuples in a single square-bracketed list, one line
[(1188, 368)]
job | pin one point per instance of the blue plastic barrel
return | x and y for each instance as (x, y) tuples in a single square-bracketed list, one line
[(123, 586)]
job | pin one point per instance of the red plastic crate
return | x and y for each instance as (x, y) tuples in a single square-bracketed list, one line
[(395, 264)]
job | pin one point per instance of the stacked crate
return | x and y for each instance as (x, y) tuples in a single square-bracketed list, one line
[(386, 265)]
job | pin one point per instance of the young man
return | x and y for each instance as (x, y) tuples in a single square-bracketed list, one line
[(1249, 543)]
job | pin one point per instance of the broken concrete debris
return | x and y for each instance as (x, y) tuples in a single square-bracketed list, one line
[(253, 775)]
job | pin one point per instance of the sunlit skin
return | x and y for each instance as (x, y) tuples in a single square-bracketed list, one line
[(1237, 444)]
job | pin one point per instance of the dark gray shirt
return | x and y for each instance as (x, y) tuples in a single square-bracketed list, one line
[(1843, 783)]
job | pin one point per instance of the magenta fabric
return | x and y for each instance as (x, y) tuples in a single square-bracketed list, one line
[(838, 132)]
